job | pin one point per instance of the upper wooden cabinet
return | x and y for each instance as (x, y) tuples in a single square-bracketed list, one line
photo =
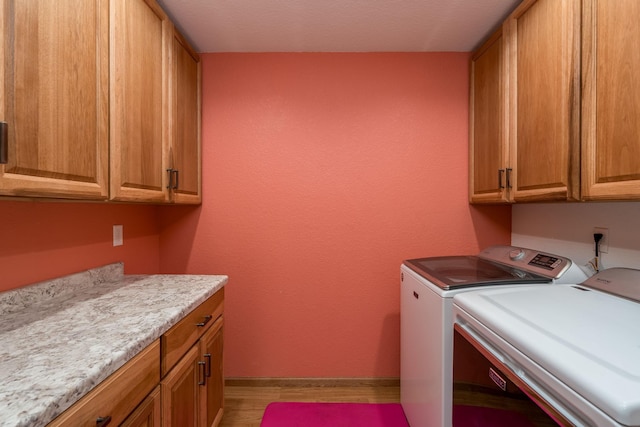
[(525, 107), (139, 78), (488, 144), (184, 154), (102, 99), (611, 100), (544, 99), (54, 97), (155, 107)]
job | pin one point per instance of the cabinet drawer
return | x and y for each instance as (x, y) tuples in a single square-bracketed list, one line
[(118, 395), (177, 340)]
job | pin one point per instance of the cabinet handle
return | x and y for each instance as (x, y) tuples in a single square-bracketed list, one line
[(208, 368), (175, 185), (201, 373), (170, 184), (4, 142), (103, 421), (206, 320), (509, 177), (500, 173)]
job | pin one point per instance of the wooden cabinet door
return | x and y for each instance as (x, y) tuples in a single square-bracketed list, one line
[(54, 74), (147, 414), (180, 388), (611, 100), (212, 394), (488, 145), (186, 135), (544, 55), (139, 76)]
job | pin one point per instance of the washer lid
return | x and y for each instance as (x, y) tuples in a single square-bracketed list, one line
[(455, 272), (586, 339)]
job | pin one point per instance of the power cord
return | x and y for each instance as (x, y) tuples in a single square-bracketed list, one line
[(596, 261)]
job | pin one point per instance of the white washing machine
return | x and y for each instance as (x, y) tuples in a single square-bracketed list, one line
[(428, 286)]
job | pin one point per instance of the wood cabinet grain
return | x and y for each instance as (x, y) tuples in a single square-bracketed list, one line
[(54, 97), (148, 413), (544, 100), (139, 76), (102, 100), (184, 334), (185, 150), (525, 143), (611, 100), (155, 108), (212, 392), (488, 143), (180, 391), (193, 388)]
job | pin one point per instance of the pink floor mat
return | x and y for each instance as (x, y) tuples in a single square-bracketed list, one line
[(291, 414), (475, 416)]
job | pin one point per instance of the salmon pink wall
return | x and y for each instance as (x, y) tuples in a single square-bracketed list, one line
[(321, 173), (41, 241)]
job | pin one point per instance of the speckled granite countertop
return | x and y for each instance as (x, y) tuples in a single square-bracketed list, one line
[(58, 339)]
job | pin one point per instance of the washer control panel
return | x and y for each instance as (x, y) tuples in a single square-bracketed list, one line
[(545, 261), (546, 264)]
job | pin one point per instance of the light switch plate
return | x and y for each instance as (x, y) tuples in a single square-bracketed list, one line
[(117, 235)]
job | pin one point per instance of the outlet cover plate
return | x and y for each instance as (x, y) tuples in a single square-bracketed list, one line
[(118, 239)]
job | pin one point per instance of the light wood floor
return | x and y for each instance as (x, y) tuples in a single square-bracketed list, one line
[(246, 400)]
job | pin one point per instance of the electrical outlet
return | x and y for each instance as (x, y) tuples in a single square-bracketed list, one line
[(117, 235), (604, 243)]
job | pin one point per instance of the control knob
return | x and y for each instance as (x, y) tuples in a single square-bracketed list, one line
[(517, 254)]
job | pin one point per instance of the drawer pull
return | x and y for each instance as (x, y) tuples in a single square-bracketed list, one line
[(4, 142), (170, 184), (175, 186), (103, 421), (206, 320), (208, 368), (201, 373)]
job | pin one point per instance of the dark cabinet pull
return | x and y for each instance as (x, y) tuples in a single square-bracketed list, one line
[(201, 373), (103, 421), (500, 173), (208, 368), (509, 177), (206, 320), (175, 185), (4, 142), (170, 184)]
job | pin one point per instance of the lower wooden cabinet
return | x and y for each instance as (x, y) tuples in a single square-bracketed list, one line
[(176, 381), (192, 392), (180, 392), (148, 413), (212, 392), (117, 396)]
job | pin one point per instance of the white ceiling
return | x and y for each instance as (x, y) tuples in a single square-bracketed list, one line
[(337, 25)]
